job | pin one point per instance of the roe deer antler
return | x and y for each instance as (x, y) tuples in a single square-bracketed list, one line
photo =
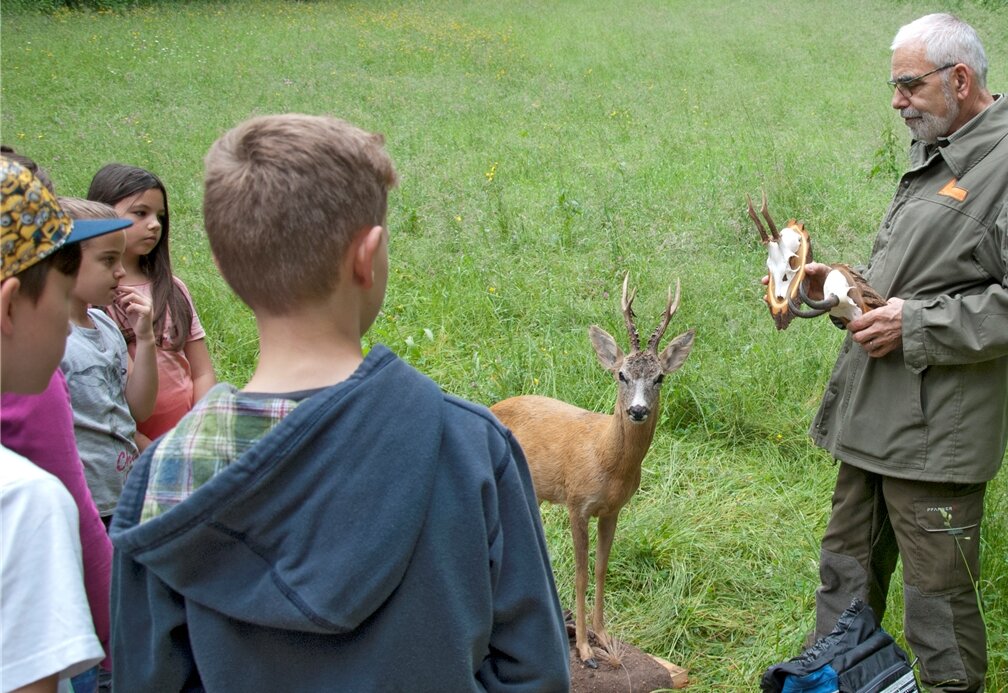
[(591, 462), (670, 308), (626, 304)]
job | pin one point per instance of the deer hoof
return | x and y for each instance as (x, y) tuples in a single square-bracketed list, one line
[(587, 656)]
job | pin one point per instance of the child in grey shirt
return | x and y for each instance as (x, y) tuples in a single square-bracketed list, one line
[(108, 393)]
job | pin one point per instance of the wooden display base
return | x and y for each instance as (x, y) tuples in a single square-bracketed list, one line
[(635, 672)]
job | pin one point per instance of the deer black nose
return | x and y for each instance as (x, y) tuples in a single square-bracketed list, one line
[(638, 413)]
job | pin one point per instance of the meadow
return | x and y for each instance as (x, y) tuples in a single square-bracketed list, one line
[(546, 149)]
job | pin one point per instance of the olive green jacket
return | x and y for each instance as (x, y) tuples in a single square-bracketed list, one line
[(937, 409)]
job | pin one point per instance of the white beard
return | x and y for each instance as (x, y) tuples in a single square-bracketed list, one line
[(930, 127)]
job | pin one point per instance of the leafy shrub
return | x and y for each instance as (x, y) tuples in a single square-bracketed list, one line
[(51, 6)]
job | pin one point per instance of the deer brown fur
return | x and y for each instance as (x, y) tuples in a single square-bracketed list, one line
[(591, 462)]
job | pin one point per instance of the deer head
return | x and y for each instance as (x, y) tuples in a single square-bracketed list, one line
[(640, 373), (846, 294)]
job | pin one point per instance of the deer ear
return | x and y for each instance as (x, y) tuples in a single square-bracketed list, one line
[(673, 356), (608, 352)]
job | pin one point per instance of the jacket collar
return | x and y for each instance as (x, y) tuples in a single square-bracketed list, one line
[(968, 145)]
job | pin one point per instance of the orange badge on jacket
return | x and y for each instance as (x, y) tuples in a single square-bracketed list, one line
[(950, 190)]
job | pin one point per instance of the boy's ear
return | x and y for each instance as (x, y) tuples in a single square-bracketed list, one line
[(363, 250), (8, 292)]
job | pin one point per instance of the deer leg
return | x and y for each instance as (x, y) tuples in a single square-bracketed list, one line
[(579, 533), (606, 532)]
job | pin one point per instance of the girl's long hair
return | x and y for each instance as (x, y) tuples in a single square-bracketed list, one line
[(116, 182)]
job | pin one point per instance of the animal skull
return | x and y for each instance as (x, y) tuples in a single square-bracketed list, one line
[(788, 251), (849, 293), (846, 293)]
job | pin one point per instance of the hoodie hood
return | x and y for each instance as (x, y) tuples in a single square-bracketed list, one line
[(245, 543)]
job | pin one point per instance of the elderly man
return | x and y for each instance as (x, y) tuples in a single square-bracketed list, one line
[(916, 409)]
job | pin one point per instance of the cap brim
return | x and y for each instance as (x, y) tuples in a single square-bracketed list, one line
[(84, 229)]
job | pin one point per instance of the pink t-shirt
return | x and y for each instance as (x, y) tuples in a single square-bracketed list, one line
[(40, 428), (175, 383)]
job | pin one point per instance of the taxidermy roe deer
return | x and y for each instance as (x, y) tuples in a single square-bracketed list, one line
[(591, 462)]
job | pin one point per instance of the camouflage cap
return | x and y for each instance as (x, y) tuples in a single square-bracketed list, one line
[(32, 224)]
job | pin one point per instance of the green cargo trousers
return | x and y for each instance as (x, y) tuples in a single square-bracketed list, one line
[(935, 529)]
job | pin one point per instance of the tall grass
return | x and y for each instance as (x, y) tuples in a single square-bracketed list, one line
[(544, 150)]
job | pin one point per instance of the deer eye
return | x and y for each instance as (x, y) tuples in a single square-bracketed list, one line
[(660, 379), (622, 377)]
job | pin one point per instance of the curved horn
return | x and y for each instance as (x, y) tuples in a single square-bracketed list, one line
[(797, 311), (818, 307), (826, 304)]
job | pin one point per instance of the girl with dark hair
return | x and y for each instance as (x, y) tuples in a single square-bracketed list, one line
[(185, 371)]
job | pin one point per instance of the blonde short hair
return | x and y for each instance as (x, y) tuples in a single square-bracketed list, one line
[(79, 208), (284, 196)]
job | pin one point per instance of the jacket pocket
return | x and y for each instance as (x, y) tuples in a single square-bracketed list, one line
[(968, 420), (884, 416)]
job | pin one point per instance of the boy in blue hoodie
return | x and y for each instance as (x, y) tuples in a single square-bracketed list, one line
[(339, 523)]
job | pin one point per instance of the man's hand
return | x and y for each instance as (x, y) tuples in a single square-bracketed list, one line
[(815, 275), (879, 331)]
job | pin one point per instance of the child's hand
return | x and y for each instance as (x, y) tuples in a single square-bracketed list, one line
[(138, 308), (142, 382)]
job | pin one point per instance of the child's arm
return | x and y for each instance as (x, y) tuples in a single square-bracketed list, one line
[(201, 366), (142, 382)]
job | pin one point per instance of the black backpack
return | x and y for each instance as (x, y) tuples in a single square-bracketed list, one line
[(858, 656)]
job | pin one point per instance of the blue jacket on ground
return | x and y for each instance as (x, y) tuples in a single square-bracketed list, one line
[(383, 536)]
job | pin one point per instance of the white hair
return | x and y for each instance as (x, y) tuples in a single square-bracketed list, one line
[(946, 39)]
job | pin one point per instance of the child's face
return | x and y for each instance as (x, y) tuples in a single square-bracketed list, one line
[(101, 269), (146, 211), (32, 354)]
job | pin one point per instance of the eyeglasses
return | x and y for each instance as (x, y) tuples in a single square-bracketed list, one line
[(906, 85)]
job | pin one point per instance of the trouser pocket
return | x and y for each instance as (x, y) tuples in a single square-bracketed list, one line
[(943, 542)]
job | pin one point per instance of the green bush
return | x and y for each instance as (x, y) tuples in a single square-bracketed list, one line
[(52, 6)]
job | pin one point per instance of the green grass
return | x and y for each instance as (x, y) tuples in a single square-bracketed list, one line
[(544, 150)]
